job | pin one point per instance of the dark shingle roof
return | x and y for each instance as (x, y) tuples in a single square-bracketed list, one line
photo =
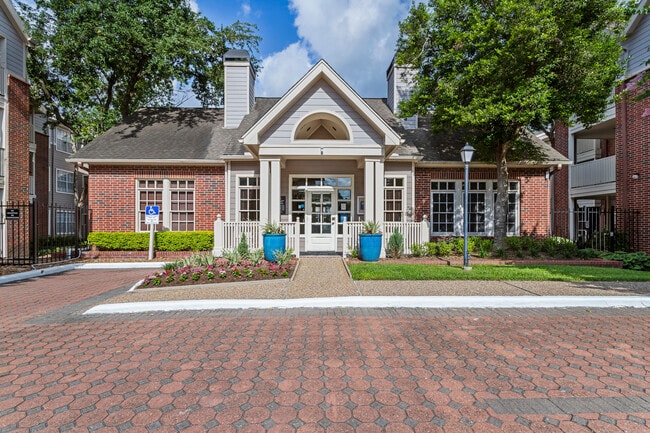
[(197, 134)]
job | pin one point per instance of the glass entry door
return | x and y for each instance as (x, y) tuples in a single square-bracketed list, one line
[(320, 221)]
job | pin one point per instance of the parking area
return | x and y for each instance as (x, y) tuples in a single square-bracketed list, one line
[(356, 369)]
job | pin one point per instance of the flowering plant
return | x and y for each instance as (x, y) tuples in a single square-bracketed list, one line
[(217, 271)]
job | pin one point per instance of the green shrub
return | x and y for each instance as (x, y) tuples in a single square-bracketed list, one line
[(514, 244), (232, 256), (635, 261), (256, 256), (459, 245), (184, 241), (484, 247), (395, 245), (444, 248), (568, 250), (588, 253), (164, 241), (242, 247), (432, 249), (418, 250), (283, 258)]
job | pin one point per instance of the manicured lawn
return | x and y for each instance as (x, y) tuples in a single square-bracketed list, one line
[(392, 271)]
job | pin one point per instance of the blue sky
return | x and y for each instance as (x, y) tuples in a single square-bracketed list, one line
[(356, 37)]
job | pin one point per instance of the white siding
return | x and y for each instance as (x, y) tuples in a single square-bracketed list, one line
[(402, 169), (15, 48), (238, 169), (637, 46), (237, 98), (321, 97), (400, 85)]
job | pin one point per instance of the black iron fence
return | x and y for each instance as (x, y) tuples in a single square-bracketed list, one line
[(33, 233), (599, 228)]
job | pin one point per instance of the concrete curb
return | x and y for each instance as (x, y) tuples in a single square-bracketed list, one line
[(382, 302), (64, 268)]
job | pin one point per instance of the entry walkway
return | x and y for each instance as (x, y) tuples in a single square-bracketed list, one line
[(321, 276)]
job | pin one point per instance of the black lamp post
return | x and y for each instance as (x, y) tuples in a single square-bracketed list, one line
[(466, 154)]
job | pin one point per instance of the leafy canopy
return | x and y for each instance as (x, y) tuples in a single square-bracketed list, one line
[(497, 68), (510, 64), (94, 62)]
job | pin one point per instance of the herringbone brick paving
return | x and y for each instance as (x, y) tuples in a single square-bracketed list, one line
[(383, 370)]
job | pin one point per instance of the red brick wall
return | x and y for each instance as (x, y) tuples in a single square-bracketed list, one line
[(560, 185), (18, 145), (534, 193), (112, 194), (633, 157)]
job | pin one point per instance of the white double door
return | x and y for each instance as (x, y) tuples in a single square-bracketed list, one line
[(320, 221)]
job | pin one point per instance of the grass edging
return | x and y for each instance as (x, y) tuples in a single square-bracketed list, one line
[(403, 272)]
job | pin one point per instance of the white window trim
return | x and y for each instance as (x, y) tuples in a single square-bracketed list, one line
[(489, 207), (165, 206), (403, 188), (60, 172), (238, 195)]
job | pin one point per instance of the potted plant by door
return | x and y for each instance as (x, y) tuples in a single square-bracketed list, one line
[(274, 239), (370, 241)]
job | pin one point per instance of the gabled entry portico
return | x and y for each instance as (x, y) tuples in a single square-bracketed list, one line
[(321, 151)]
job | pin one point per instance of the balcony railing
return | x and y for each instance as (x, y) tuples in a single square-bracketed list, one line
[(596, 172)]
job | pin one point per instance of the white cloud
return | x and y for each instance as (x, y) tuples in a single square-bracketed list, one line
[(194, 5), (246, 8), (281, 70), (356, 37)]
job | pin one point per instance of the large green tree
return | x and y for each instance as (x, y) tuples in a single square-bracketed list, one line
[(94, 62), (499, 68)]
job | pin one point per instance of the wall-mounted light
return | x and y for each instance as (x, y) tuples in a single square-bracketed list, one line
[(636, 176), (547, 175)]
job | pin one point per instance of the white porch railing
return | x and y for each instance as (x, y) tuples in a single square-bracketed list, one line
[(412, 232), (227, 235), (594, 172)]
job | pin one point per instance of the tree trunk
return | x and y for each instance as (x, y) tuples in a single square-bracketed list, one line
[(501, 204)]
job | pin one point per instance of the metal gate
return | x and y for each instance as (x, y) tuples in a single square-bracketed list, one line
[(31, 233)]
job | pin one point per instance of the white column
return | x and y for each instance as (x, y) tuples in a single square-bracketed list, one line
[(274, 195), (369, 189), (379, 191), (265, 184)]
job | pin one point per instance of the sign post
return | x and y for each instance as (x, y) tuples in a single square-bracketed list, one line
[(151, 217)]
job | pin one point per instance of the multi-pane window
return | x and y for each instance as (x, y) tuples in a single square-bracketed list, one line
[(512, 219), (249, 199), (477, 207), (447, 200), (63, 141), (182, 205), (342, 193), (65, 222), (442, 207), (175, 199), (150, 193), (64, 181), (393, 199)]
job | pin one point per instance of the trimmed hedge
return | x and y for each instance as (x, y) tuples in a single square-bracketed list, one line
[(164, 241)]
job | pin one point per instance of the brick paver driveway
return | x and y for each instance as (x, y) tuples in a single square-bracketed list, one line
[(384, 370)]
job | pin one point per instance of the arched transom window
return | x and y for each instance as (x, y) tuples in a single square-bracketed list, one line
[(322, 126)]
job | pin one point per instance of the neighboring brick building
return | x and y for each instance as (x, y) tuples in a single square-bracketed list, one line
[(15, 167), (603, 197), (320, 155)]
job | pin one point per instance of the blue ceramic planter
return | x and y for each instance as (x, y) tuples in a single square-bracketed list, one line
[(273, 243), (370, 247)]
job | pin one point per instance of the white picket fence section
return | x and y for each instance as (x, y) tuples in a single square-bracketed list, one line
[(227, 235), (412, 232)]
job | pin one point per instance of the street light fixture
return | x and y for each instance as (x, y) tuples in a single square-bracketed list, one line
[(466, 154)]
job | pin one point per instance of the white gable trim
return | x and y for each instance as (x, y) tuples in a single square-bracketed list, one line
[(15, 20), (321, 71)]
